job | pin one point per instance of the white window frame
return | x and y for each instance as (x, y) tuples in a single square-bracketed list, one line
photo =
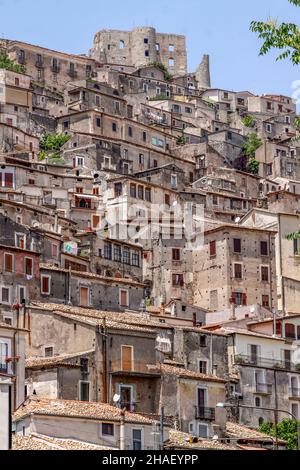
[(9, 295), (9, 352), (19, 234), (49, 278), (269, 128)]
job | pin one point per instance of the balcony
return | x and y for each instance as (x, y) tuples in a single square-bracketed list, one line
[(129, 406), (39, 64), (264, 389), (72, 73), (294, 393), (204, 413), (55, 68), (266, 363)]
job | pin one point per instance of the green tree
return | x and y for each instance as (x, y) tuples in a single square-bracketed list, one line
[(248, 121), (51, 144), (163, 68), (285, 37), (251, 144), (286, 430), (8, 64)]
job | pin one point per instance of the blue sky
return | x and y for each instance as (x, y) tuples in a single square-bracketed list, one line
[(217, 27)]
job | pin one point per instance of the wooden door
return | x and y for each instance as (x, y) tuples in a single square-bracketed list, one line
[(127, 358), (84, 296)]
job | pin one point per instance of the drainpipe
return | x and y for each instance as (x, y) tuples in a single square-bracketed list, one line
[(104, 362), (270, 271), (69, 286), (122, 431)]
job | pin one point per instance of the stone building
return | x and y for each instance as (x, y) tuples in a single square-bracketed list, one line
[(141, 47)]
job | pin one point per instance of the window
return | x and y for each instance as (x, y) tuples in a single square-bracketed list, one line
[(17, 82), (20, 240), (118, 189), (78, 162), (122, 44), (45, 285), (141, 159), (117, 253), (3, 357), (97, 100), (84, 365), (84, 391), (98, 122), (5, 295), (117, 107), (257, 402), (114, 127), (264, 273), (107, 429), (144, 136), (238, 270), (148, 194), (176, 255), (202, 431), (295, 410), (239, 298), (29, 266), (203, 342), (133, 190), (290, 331), (8, 263), (269, 128), (215, 200), (174, 181), (237, 245), (108, 251), (124, 297), (66, 125), (141, 192), (22, 294), (213, 249), (135, 259), (84, 296), (264, 248), (54, 250), (49, 351), (146, 53), (130, 131), (167, 200), (126, 256), (265, 301), (203, 367), (137, 439), (177, 280), (171, 48)]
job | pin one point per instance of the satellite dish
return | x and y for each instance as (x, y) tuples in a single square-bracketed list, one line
[(116, 398), (237, 220)]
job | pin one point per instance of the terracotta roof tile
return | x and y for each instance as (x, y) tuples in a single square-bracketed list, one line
[(180, 440), (76, 409), (188, 374), (37, 362), (43, 443)]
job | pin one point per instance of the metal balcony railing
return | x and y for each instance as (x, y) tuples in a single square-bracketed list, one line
[(205, 413), (129, 406), (264, 388), (266, 362)]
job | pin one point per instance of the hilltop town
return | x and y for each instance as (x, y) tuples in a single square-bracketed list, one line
[(149, 280)]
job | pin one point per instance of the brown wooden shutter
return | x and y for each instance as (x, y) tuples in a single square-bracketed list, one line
[(84, 296), (127, 362)]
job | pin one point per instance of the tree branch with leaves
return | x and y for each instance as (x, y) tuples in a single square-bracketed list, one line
[(284, 37)]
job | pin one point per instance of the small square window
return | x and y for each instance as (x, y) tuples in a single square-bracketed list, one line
[(107, 429)]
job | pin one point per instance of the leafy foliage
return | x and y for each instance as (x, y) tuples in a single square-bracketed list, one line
[(163, 68), (51, 144), (285, 37), (286, 430), (180, 140), (8, 64), (248, 121), (251, 144)]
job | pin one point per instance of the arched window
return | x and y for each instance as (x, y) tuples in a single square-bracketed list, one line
[(122, 44)]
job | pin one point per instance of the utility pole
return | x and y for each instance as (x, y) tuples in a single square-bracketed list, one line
[(161, 428)]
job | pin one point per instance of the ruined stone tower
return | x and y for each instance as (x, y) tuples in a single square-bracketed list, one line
[(203, 73), (141, 47)]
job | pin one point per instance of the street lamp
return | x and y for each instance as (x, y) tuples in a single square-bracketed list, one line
[(229, 405)]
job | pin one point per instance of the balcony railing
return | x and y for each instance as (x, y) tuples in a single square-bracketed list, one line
[(295, 392), (130, 406), (207, 414), (263, 388), (266, 362)]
